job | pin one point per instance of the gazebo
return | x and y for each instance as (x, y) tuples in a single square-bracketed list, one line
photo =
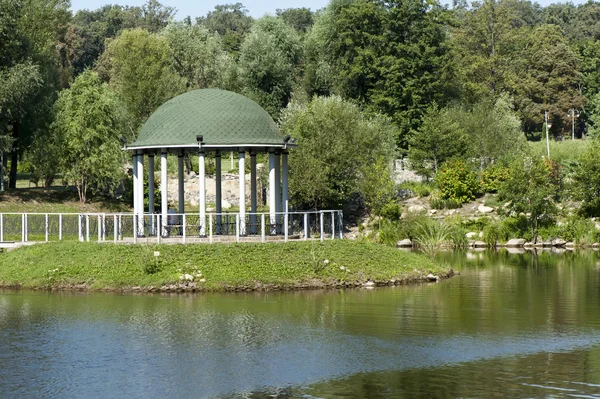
[(202, 121)]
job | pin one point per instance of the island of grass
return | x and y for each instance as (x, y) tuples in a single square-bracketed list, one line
[(218, 267)]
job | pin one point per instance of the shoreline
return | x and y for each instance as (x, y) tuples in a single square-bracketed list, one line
[(241, 267), (194, 288)]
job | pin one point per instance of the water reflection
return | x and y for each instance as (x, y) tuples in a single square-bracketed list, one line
[(532, 320)]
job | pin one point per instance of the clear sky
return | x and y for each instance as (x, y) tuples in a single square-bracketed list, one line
[(257, 8)]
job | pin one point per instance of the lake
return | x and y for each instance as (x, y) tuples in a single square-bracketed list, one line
[(511, 325)]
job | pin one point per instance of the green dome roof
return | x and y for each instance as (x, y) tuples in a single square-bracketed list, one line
[(224, 118)]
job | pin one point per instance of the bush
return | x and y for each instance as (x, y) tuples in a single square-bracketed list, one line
[(457, 182), (422, 189), (392, 211), (515, 227), (492, 177)]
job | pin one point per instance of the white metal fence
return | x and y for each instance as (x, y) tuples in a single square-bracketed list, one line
[(127, 227)]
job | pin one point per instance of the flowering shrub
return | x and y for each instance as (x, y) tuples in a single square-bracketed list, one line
[(457, 182)]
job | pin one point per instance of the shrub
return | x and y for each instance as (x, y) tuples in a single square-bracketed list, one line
[(491, 234), (457, 182), (492, 177), (391, 210), (515, 227)]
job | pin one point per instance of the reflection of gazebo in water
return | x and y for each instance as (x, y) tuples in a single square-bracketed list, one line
[(202, 121)]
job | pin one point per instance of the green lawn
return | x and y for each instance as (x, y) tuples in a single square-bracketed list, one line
[(224, 266)]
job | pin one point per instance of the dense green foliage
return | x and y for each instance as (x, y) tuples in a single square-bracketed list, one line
[(356, 83), (67, 264), (327, 167), (87, 128)]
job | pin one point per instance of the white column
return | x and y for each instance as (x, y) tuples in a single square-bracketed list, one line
[(202, 192), (164, 207), (181, 197), (284, 182), (242, 177), (140, 162), (278, 182), (253, 192), (272, 192), (151, 191), (218, 201), (136, 193)]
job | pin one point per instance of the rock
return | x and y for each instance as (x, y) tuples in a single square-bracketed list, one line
[(471, 234), (404, 243), (431, 277), (485, 209), (570, 244), (226, 204), (369, 284), (597, 225), (528, 244), (558, 242), (515, 250), (450, 212), (481, 234), (479, 244), (515, 242), (416, 209), (433, 211), (547, 244)]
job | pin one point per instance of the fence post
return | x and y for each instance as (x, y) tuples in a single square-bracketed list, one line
[(1, 227), (340, 225), (159, 231), (99, 229), (183, 227), (210, 228), (262, 227), (237, 227), (46, 227), (87, 228), (322, 230), (333, 225), (135, 232), (80, 227), (120, 233), (60, 222), (285, 227), (23, 228), (104, 227), (115, 233), (305, 226)]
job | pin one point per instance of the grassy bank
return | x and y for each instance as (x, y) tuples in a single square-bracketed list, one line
[(223, 267)]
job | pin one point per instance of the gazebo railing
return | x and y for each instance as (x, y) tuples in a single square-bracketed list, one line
[(128, 227)]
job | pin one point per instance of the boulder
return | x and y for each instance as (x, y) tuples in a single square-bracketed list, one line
[(471, 234), (404, 243), (431, 277), (479, 244), (547, 244), (558, 242), (485, 209), (416, 209), (369, 284), (226, 204), (570, 244), (515, 242), (528, 244)]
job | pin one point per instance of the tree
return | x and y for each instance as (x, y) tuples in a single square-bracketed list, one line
[(337, 145), (268, 59), (300, 19), (138, 66), (438, 139), (199, 57), (89, 122), (393, 57), (532, 188), (587, 180), (493, 130), (231, 21), (31, 70)]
